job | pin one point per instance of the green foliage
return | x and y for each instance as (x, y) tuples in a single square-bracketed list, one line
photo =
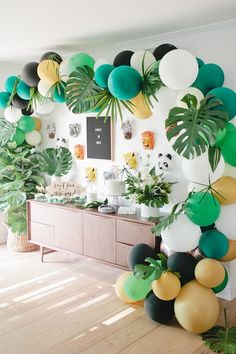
[(35, 98), (80, 90), (55, 162), (95, 204), (154, 270), (7, 130), (151, 190), (151, 83), (214, 155), (195, 129), (19, 176), (221, 339)]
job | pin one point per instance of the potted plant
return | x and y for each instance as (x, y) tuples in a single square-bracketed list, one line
[(19, 176), (148, 189)]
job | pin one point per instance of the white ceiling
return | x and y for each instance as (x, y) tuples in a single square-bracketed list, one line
[(29, 28)]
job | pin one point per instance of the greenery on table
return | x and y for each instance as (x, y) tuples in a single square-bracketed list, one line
[(150, 189), (19, 176), (221, 339), (193, 129), (55, 162)]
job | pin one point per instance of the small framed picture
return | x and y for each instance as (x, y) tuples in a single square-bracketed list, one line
[(100, 138)]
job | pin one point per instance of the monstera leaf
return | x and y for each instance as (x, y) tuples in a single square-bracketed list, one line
[(81, 86), (221, 339), (7, 130), (194, 130), (55, 162)]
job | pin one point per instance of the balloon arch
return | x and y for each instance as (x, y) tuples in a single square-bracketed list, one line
[(200, 233)]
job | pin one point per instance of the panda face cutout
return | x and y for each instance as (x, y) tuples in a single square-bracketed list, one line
[(164, 161), (61, 142)]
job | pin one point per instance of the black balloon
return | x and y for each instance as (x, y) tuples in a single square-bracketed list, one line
[(158, 310), (183, 263), (29, 74), (27, 112), (157, 247), (139, 253), (123, 58), (18, 102), (208, 228), (51, 56), (162, 49)]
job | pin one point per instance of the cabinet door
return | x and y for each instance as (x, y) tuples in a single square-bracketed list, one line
[(68, 230), (122, 251), (43, 214), (132, 233), (99, 237), (41, 234)]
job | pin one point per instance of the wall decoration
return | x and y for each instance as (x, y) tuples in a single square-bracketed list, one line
[(148, 140), (130, 160), (90, 174), (74, 129), (99, 139), (126, 128), (61, 142), (51, 130), (79, 151), (164, 161)]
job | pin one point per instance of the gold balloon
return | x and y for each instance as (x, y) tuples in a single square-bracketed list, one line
[(119, 287), (209, 272), (225, 190), (167, 287), (38, 124), (196, 307), (231, 254), (140, 107), (48, 71)]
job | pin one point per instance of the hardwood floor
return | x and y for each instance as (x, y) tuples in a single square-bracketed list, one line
[(68, 305)]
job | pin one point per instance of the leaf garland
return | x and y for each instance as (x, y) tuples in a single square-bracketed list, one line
[(196, 129)]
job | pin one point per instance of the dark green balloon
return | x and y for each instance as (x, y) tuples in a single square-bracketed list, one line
[(139, 253), (102, 73), (209, 77), (228, 98), (4, 98), (158, 310), (59, 94), (213, 244), (200, 62), (183, 263), (202, 209), (18, 137), (26, 124), (228, 145), (221, 287)]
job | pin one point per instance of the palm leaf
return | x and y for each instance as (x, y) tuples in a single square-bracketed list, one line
[(81, 86), (195, 129), (35, 98), (151, 83), (7, 130), (221, 339), (55, 162)]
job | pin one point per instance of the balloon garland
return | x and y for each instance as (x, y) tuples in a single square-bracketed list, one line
[(199, 233)]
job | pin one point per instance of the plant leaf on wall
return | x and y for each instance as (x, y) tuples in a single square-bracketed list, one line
[(55, 162), (195, 129), (7, 130)]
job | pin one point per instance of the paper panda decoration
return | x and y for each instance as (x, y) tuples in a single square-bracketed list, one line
[(164, 161), (61, 142)]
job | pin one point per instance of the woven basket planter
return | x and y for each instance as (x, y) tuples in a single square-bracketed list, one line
[(17, 243)]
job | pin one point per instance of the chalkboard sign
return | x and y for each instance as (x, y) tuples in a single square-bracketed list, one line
[(99, 138)]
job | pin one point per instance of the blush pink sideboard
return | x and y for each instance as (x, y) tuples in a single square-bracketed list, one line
[(107, 237)]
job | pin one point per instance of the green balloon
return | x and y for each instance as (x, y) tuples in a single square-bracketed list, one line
[(80, 59), (4, 98), (220, 135), (136, 289), (202, 209), (200, 62), (213, 244), (209, 77), (228, 145), (26, 124), (227, 97), (59, 94), (18, 137), (222, 285)]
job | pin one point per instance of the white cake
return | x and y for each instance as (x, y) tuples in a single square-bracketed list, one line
[(114, 187)]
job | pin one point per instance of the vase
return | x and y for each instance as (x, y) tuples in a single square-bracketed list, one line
[(148, 211), (19, 243)]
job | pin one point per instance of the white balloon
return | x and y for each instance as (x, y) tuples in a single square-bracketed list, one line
[(230, 170), (182, 235), (12, 114), (166, 100), (44, 108), (192, 91), (178, 69), (44, 87), (199, 169), (64, 70), (142, 58), (226, 222), (33, 138), (100, 62)]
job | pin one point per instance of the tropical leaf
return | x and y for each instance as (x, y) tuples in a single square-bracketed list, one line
[(55, 162), (80, 87), (221, 339), (35, 98), (17, 198), (95, 204), (7, 130), (142, 271), (195, 129), (151, 83), (214, 155)]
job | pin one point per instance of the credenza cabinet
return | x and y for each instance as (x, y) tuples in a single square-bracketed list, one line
[(107, 237)]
